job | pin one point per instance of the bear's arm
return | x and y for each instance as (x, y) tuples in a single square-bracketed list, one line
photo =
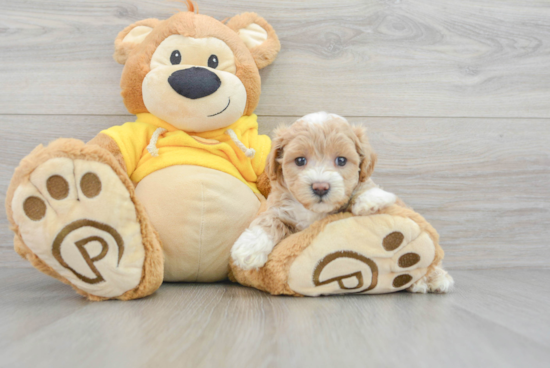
[(108, 143), (264, 184), (262, 145), (128, 140)]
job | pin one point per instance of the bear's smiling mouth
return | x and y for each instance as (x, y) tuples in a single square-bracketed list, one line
[(225, 108)]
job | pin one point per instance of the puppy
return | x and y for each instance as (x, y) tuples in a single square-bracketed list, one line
[(318, 166)]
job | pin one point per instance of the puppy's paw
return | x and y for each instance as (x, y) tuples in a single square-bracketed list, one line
[(438, 281), (252, 248), (371, 201)]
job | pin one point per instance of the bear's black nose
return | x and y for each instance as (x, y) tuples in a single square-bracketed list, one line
[(194, 82)]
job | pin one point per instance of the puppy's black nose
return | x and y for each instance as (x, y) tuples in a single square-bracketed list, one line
[(194, 82), (320, 189)]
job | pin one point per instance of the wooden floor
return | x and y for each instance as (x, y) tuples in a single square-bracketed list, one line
[(496, 318), (456, 96)]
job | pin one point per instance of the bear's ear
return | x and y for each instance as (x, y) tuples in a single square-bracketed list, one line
[(131, 37), (258, 36)]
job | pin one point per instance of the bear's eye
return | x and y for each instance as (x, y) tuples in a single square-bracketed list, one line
[(213, 61), (175, 58), (300, 161), (341, 161)]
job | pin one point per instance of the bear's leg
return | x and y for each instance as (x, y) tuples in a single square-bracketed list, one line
[(75, 217), (392, 250)]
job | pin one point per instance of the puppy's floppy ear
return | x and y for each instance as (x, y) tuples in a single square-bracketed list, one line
[(258, 36), (366, 153), (273, 168), (131, 37)]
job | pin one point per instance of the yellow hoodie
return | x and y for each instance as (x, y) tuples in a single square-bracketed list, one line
[(144, 153)]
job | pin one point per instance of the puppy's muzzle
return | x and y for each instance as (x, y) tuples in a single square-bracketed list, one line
[(320, 189)]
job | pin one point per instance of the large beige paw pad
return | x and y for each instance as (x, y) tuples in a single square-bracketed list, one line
[(365, 254), (78, 217)]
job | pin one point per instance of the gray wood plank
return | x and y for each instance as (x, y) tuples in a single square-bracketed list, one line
[(361, 58), (483, 183), (227, 325), (517, 301), (24, 293)]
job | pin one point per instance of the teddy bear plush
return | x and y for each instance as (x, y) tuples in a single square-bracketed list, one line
[(165, 197)]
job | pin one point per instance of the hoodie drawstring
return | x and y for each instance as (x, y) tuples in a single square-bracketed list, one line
[(152, 146), (153, 150), (248, 152)]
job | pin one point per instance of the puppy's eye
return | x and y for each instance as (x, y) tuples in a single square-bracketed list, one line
[(300, 161), (213, 61), (341, 161), (175, 58)]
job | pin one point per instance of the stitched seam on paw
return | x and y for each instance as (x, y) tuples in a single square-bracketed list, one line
[(200, 232)]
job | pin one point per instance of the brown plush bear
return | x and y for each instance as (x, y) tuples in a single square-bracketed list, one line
[(165, 197)]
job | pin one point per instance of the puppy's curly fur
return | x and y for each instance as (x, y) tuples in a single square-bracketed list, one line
[(319, 150), (310, 153)]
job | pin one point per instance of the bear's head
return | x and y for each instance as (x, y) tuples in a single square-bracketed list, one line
[(193, 71)]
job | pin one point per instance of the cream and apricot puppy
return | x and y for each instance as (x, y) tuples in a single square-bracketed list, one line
[(318, 166)]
